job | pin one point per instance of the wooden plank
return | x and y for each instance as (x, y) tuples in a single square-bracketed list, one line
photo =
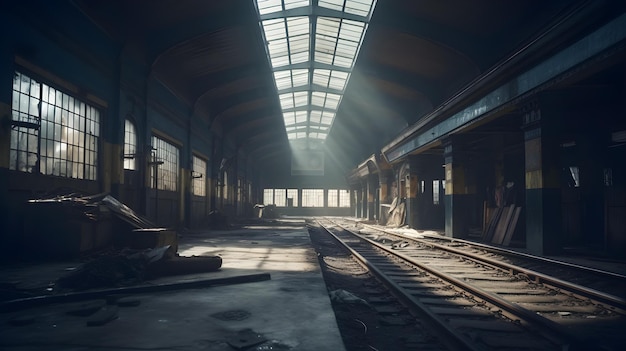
[(492, 224), (502, 225), (511, 229)]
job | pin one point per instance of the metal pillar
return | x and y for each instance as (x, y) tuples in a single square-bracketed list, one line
[(543, 189), (459, 191)]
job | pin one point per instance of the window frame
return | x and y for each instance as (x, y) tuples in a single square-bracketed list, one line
[(198, 181), (156, 156), (53, 120), (130, 146)]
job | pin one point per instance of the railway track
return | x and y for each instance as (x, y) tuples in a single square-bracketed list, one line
[(609, 287), (478, 304)]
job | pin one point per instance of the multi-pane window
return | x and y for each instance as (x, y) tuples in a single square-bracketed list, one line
[(164, 165), (338, 198), (292, 197), (333, 198), (53, 133), (436, 192), (312, 197), (268, 196), (280, 197), (130, 145), (198, 176), (344, 198)]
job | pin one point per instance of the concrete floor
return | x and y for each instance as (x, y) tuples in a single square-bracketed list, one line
[(291, 311)]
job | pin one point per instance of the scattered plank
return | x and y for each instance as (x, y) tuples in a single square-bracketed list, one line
[(511, 229)]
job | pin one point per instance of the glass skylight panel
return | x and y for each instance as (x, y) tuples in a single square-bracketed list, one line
[(351, 30), (274, 29), (301, 98), (269, 6), (283, 79), (295, 99), (289, 118), (301, 116), (316, 116), (359, 7), (286, 100), (288, 79), (317, 135), (330, 78), (294, 4), (325, 100), (332, 101), (310, 113), (327, 118), (300, 77), (332, 4)]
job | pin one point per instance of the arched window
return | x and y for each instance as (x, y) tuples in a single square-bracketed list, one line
[(130, 145)]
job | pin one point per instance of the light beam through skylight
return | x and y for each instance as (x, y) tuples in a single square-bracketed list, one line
[(312, 46)]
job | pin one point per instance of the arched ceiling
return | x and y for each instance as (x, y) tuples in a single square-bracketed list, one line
[(415, 55)]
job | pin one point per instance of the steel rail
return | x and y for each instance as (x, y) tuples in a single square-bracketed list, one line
[(459, 341), (526, 255), (566, 338), (611, 300)]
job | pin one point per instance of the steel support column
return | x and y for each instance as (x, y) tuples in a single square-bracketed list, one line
[(460, 192), (543, 189), (372, 184)]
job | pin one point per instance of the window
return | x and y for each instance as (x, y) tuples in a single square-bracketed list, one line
[(225, 187), (130, 145), (344, 198), (422, 186), (198, 177), (164, 170), (338, 198), (436, 192), (292, 197), (575, 177), (312, 197), (333, 197), (280, 197), (268, 196), (239, 190), (53, 133)]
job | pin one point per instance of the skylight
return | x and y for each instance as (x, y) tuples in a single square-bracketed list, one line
[(312, 46)]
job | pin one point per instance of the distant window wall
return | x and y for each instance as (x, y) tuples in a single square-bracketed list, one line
[(53, 133), (130, 145), (198, 176), (310, 197), (164, 165)]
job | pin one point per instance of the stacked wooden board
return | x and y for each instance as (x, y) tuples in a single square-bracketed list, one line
[(501, 226)]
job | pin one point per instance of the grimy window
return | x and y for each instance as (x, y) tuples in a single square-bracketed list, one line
[(198, 176), (164, 165), (130, 145), (338, 198), (53, 133), (312, 197), (344, 198)]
